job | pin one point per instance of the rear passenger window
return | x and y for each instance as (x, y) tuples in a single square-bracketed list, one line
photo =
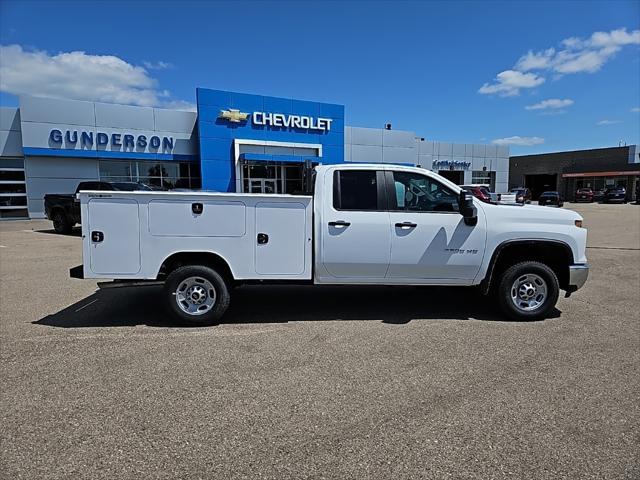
[(355, 190)]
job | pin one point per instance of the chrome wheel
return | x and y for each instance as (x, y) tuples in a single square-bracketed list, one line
[(195, 295), (528, 292)]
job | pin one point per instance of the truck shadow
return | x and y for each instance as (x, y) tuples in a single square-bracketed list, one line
[(131, 306)]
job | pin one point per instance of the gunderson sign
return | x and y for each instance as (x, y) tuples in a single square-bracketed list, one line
[(301, 122), (117, 141)]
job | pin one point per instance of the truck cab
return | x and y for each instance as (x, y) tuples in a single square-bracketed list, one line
[(394, 225)]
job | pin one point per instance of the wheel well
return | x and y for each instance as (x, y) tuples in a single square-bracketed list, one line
[(207, 259), (555, 255)]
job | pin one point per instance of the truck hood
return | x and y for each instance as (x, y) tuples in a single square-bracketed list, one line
[(531, 214)]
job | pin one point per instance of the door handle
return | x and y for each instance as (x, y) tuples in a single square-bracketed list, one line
[(406, 225), (197, 208), (263, 238), (96, 236), (339, 223)]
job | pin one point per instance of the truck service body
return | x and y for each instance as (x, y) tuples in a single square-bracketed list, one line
[(363, 224)]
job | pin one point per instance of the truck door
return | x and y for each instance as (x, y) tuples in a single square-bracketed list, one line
[(355, 235), (429, 238), (114, 227)]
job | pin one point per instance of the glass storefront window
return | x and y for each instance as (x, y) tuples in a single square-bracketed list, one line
[(13, 196), (156, 174), (482, 177), (115, 169)]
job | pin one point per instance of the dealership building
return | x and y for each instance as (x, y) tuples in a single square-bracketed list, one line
[(566, 172), (234, 142)]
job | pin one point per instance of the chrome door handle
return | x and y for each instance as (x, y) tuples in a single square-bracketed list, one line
[(339, 223), (406, 225)]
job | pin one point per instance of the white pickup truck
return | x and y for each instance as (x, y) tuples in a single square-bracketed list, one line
[(361, 224)]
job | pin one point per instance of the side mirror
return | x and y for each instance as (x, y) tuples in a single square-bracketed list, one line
[(467, 208)]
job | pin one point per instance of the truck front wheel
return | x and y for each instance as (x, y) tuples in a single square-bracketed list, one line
[(528, 291), (61, 223), (196, 295)]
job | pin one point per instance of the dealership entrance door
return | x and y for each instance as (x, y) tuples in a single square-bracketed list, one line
[(272, 177), (456, 176), (274, 167)]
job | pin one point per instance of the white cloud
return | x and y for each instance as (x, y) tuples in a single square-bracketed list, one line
[(81, 76), (535, 61), (517, 140), (585, 60), (635, 109), (607, 122), (576, 55), (552, 103), (509, 83), (580, 55), (618, 37), (157, 66)]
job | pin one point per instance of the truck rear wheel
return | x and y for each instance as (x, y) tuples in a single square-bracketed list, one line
[(61, 223), (196, 295), (528, 291)]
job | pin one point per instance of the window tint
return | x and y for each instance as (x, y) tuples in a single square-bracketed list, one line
[(419, 193), (355, 190)]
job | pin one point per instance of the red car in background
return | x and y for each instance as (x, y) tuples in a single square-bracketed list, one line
[(584, 195), (479, 191)]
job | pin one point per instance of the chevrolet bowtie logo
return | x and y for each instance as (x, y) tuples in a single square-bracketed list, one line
[(233, 115)]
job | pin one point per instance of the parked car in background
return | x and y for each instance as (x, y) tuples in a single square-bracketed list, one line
[(598, 195), (523, 195), (550, 198), (63, 209), (481, 192), (584, 195), (615, 195)]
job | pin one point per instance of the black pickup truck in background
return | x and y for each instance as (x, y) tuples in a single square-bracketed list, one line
[(63, 209)]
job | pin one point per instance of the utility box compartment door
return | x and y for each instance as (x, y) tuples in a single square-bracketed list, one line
[(177, 218), (281, 238), (114, 236)]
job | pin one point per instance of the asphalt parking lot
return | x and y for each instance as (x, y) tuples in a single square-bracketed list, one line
[(362, 383)]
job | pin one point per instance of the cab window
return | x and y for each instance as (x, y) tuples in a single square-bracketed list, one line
[(419, 193), (357, 190)]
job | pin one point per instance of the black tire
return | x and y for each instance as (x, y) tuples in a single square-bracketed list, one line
[(61, 223), (180, 277), (519, 271)]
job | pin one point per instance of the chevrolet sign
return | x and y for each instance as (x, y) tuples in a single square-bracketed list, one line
[(233, 115), (292, 121), (278, 120)]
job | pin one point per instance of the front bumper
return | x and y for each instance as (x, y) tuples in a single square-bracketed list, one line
[(578, 275)]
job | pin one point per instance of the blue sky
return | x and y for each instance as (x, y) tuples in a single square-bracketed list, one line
[(429, 67)]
